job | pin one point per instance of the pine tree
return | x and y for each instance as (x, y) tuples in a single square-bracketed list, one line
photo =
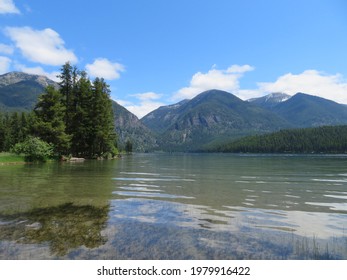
[(103, 135), (78, 118), (68, 81), (2, 133), (82, 123), (7, 133), (49, 122)]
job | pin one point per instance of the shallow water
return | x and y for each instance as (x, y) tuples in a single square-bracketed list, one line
[(176, 206)]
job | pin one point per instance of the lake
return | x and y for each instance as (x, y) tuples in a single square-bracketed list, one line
[(176, 206)]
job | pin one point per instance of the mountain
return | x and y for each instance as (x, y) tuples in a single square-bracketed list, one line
[(19, 91), (210, 117), (129, 127), (271, 100), (163, 117), (303, 110)]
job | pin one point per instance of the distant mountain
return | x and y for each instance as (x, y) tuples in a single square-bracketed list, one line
[(210, 117), (303, 110), (271, 100), (19, 91), (163, 117), (129, 127)]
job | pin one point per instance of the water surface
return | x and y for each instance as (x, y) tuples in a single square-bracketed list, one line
[(176, 206)]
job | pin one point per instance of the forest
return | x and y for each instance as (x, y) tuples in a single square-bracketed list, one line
[(326, 139), (75, 119)]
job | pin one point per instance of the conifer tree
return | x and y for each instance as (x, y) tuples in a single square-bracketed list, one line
[(68, 80), (103, 133), (78, 118), (2, 133), (82, 123), (49, 122)]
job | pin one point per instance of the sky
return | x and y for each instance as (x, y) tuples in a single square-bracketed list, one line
[(159, 52)]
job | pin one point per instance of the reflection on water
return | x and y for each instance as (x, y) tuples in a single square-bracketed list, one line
[(62, 227), (176, 207)]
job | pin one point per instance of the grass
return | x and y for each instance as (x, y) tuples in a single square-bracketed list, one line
[(9, 158)]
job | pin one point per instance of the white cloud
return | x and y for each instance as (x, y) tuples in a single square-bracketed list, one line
[(103, 68), (8, 7), (246, 94), (4, 64), (42, 46), (6, 49), (148, 103), (38, 71), (147, 96), (240, 68), (312, 82), (227, 80)]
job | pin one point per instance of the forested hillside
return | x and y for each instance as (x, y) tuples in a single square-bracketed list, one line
[(19, 91), (210, 117), (327, 139)]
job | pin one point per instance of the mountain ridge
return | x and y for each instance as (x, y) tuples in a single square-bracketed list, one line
[(271, 100), (304, 110), (214, 115), (14, 77), (13, 85)]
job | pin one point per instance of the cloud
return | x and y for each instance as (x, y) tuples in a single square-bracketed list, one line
[(4, 64), (239, 68), (38, 71), (147, 96), (313, 82), (8, 7), (42, 46), (6, 49), (102, 67), (227, 80), (148, 103)]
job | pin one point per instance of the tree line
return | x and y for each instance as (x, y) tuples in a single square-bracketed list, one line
[(13, 129), (75, 119), (327, 139)]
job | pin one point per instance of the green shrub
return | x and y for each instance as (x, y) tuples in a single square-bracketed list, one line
[(34, 149)]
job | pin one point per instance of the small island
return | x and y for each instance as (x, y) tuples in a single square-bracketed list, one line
[(74, 120)]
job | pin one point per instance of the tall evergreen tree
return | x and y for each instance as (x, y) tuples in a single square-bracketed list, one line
[(2, 133), (49, 122), (68, 81), (82, 123), (103, 132), (7, 132), (77, 119)]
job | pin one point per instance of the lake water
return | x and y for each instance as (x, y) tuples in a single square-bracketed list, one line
[(176, 206)]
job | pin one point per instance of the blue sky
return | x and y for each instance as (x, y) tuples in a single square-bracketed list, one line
[(158, 52)]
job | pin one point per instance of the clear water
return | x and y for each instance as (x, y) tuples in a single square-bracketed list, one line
[(176, 206)]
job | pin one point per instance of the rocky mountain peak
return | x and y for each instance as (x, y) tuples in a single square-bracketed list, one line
[(17, 77)]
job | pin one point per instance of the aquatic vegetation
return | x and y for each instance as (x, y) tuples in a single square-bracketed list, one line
[(63, 227)]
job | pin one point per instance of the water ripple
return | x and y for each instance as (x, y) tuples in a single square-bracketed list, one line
[(150, 194)]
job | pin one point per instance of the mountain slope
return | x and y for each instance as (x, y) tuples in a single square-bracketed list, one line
[(304, 110), (19, 91), (163, 117), (271, 100), (129, 127), (216, 115)]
